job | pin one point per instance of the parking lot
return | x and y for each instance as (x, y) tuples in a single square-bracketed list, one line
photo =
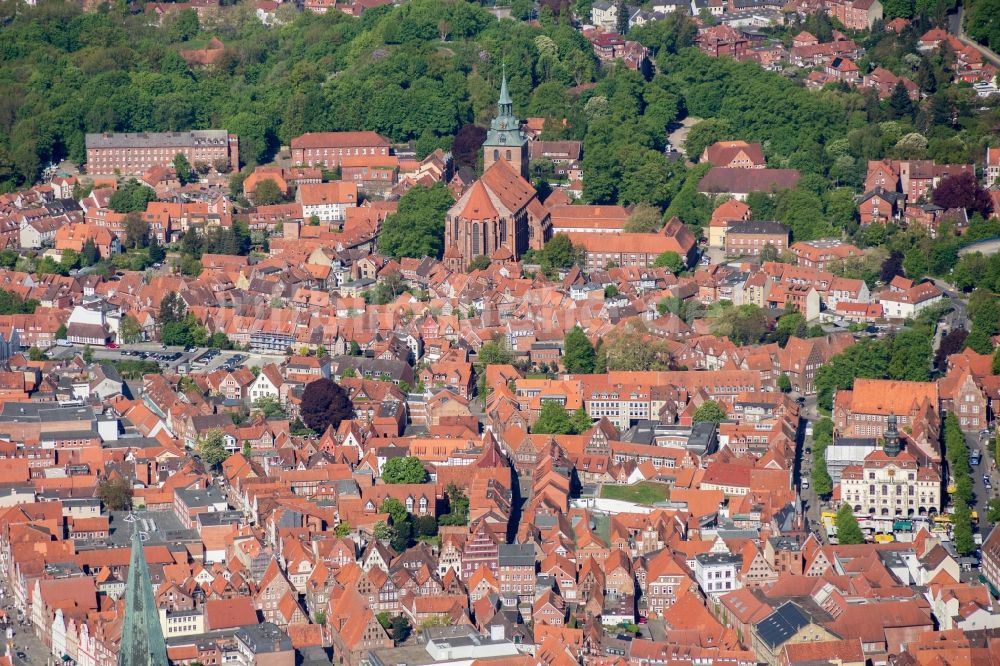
[(174, 359)]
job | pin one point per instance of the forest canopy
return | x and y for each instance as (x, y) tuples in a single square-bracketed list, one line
[(429, 68)]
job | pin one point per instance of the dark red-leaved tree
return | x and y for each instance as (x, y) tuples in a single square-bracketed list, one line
[(465, 147), (892, 266), (952, 343), (558, 7), (325, 403), (963, 191)]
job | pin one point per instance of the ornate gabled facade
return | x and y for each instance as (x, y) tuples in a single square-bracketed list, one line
[(890, 483)]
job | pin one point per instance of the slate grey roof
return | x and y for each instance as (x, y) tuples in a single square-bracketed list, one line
[(758, 227), (782, 624), (264, 638), (193, 497), (158, 139), (516, 555)]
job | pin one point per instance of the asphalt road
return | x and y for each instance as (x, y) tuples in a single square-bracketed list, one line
[(956, 28), (812, 505), (988, 466)]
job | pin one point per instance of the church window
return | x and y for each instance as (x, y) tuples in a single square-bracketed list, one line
[(508, 156), (496, 154), (475, 240), (455, 229), (503, 230)]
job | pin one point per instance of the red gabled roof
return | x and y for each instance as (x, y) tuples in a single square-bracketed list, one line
[(339, 140), (478, 205)]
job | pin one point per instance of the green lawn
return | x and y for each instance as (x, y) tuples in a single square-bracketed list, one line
[(644, 492)]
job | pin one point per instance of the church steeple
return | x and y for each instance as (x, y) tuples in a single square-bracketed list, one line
[(505, 140), (142, 641), (505, 105)]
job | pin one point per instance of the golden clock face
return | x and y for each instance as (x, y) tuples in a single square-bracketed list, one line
[(503, 124)]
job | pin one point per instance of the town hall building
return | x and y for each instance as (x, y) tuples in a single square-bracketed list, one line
[(500, 216)]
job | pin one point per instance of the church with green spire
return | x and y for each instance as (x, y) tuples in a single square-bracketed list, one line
[(505, 139), (142, 641)]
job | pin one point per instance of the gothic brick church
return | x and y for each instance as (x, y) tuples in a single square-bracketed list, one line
[(500, 216)]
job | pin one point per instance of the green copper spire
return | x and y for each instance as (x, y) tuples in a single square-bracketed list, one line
[(505, 103), (142, 641), (505, 129)]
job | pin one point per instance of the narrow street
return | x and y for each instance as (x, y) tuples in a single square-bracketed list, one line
[(987, 466), (812, 505), (24, 639), (956, 28)]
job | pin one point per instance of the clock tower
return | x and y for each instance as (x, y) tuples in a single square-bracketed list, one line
[(505, 140)]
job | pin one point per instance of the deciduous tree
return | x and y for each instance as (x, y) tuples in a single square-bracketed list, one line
[(644, 218), (468, 142), (267, 193), (669, 260), (963, 191), (416, 229), (185, 174), (478, 263), (136, 230), (962, 526), (131, 197), (552, 420), (408, 469), (89, 254), (116, 493), (129, 331), (212, 448), (558, 253), (325, 404), (821, 481), (848, 530), (578, 352), (709, 411)]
